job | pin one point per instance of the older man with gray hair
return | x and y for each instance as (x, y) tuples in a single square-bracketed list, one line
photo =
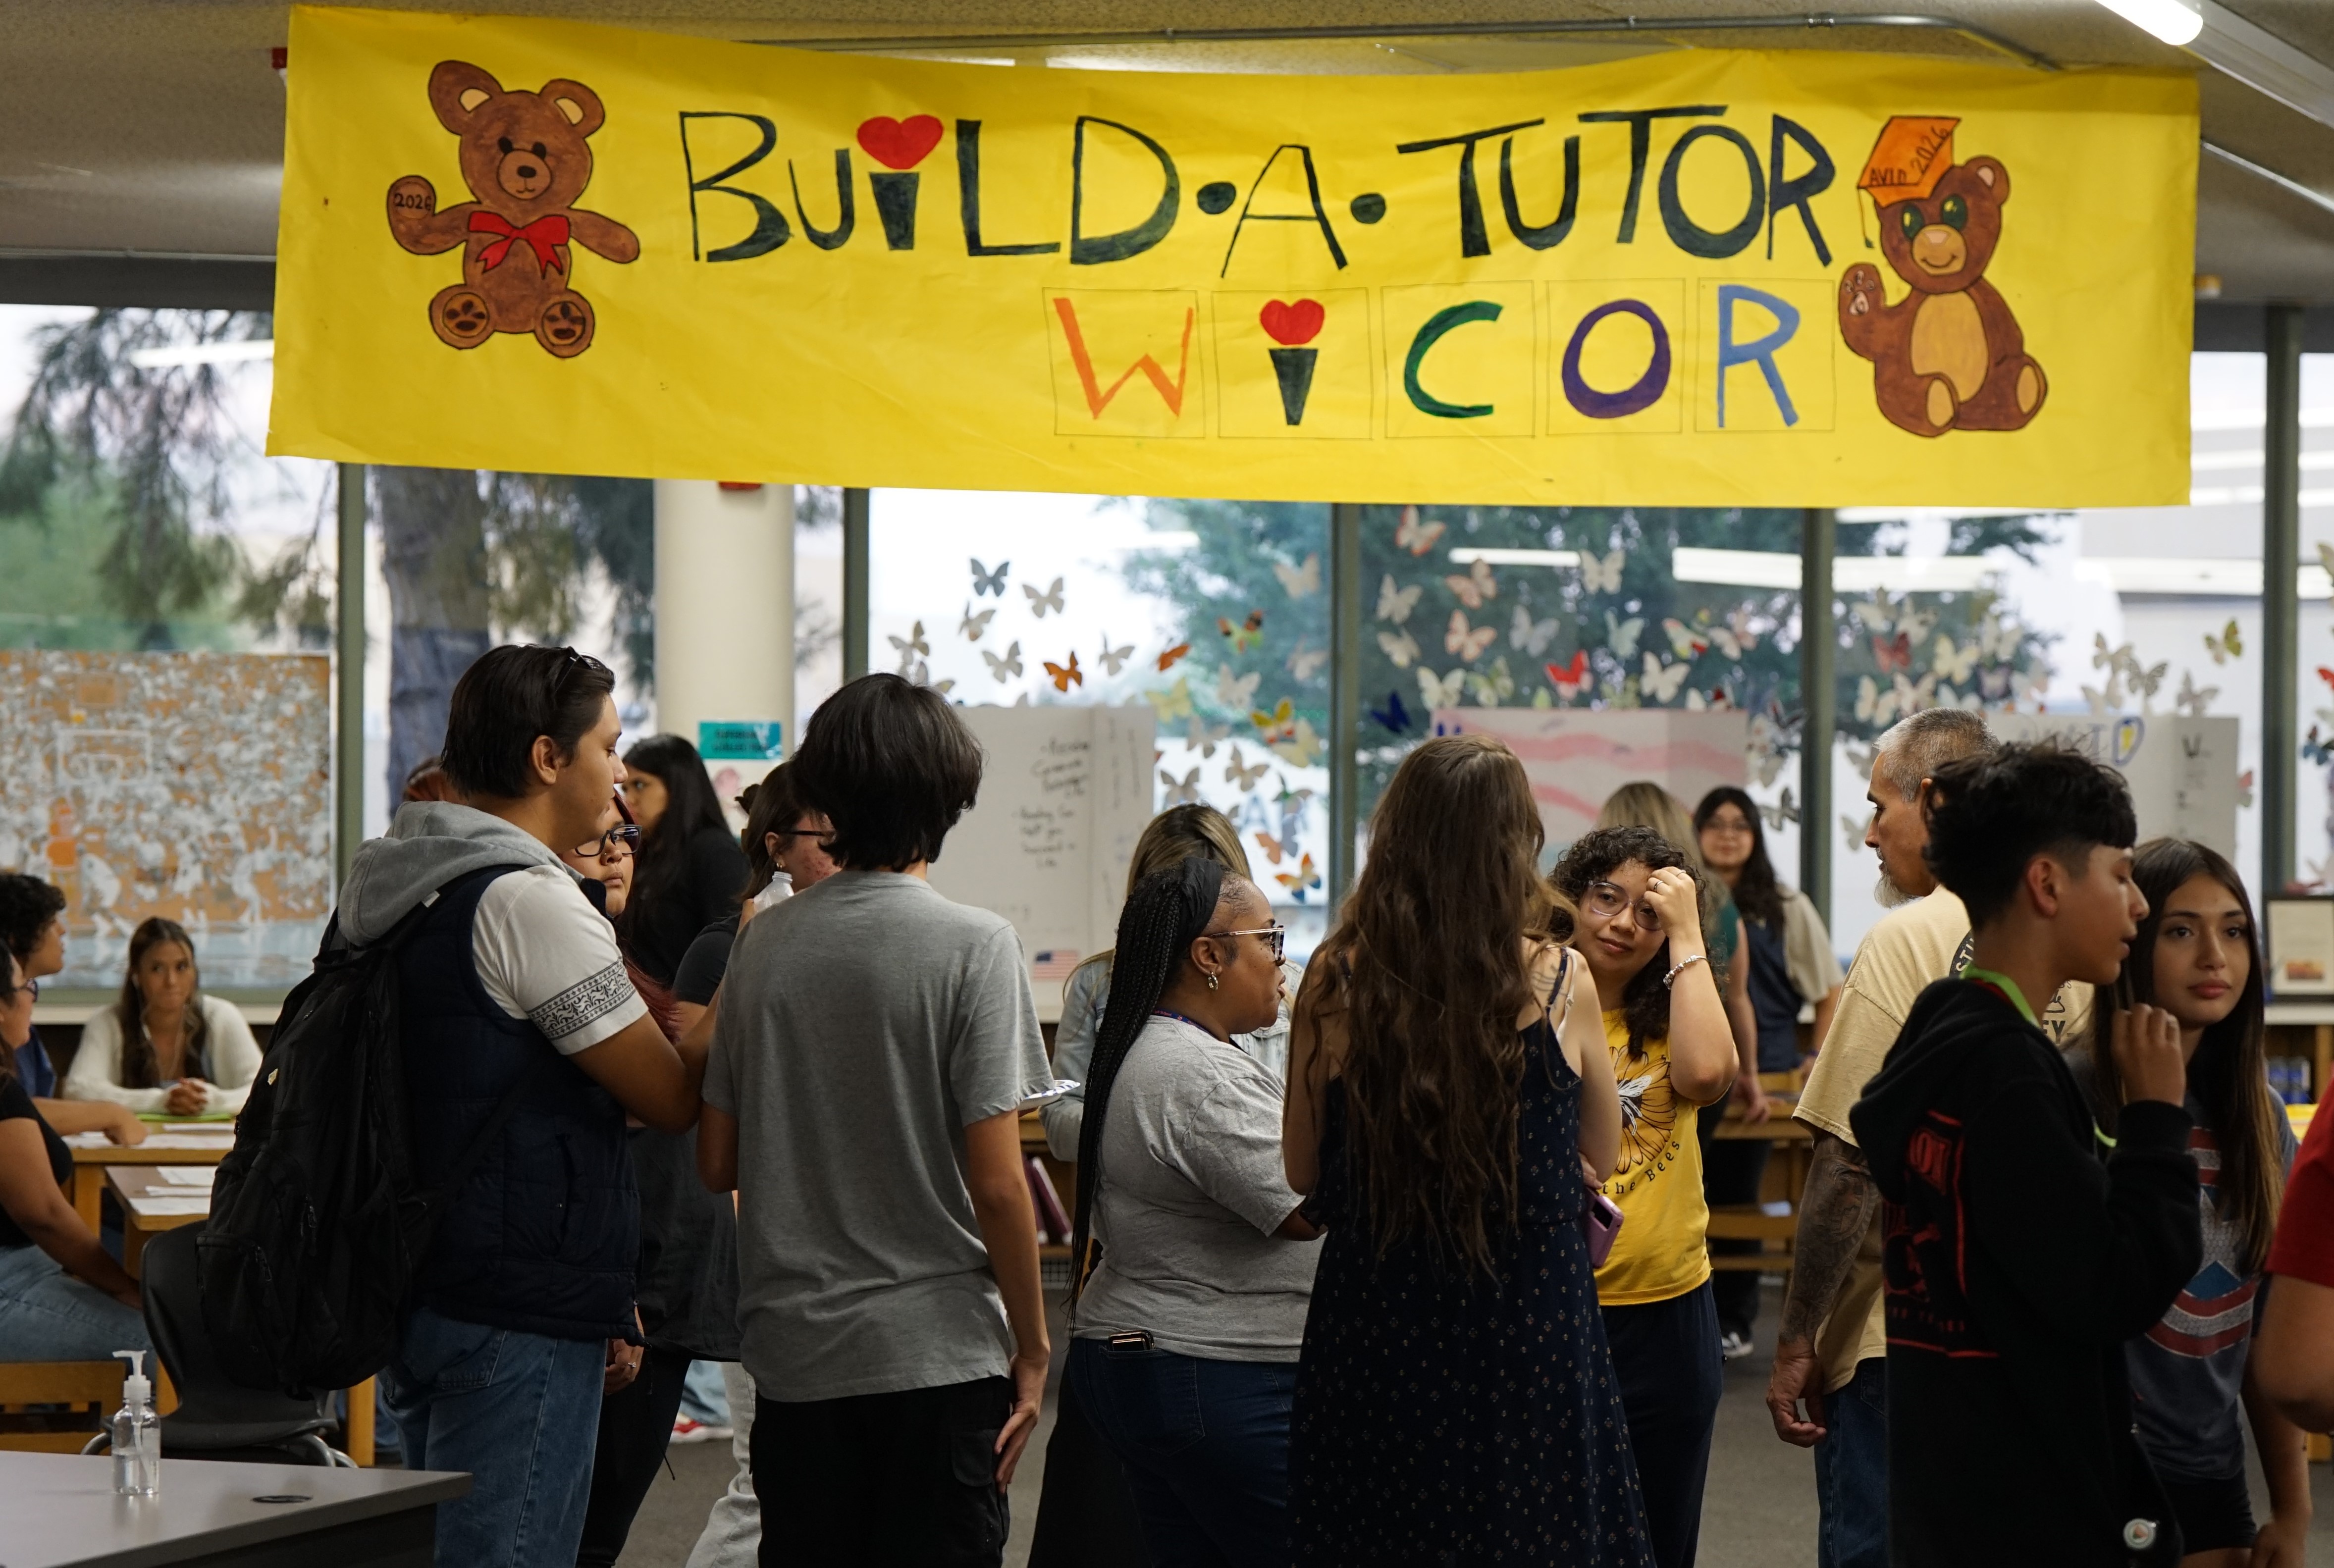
[(1831, 1350)]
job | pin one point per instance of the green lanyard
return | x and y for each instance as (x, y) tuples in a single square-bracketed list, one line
[(2007, 987)]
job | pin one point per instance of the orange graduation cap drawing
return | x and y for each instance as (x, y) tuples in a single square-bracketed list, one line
[(1950, 355), (1913, 153)]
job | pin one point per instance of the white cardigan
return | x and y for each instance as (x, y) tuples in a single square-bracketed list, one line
[(96, 1071)]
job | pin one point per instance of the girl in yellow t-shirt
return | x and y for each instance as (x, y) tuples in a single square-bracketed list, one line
[(1641, 932)]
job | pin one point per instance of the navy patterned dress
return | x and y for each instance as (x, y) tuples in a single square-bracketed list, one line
[(1443, 1417)]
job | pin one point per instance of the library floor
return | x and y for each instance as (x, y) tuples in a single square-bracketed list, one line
[(1759, 1511)]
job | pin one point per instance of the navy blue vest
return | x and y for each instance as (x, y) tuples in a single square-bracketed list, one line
[(544, 1232)]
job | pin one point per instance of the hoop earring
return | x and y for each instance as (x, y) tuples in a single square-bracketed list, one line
[(1212, 982)]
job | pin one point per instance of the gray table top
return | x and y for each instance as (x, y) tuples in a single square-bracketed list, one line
[(60, 1509)]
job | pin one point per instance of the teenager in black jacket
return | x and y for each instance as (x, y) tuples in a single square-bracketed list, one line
[(2019, 1259)]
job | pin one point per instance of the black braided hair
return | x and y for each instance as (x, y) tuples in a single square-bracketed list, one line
[(1165, 913)]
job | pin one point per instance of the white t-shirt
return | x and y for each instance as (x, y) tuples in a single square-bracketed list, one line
[(546, 954)]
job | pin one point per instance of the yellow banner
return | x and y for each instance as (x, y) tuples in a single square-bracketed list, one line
[(1691, 279)]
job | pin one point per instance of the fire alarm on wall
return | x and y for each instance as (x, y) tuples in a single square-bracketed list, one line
[(738, 485)]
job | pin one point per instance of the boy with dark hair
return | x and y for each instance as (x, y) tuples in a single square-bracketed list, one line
[(873, 1047), (511, 990), (2017, 1261)]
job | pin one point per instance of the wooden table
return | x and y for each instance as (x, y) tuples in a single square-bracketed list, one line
[(61, 1510), (146, 1180), (89, 1169)]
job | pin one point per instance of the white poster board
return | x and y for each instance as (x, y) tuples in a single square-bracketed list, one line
[(1577, 757), (1065, 793), (2183, 771)]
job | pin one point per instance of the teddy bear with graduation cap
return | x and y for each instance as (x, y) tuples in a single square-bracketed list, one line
[(1949, 355)]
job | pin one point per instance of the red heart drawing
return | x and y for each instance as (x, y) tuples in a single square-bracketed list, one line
[(899, 143), (1292, 326)]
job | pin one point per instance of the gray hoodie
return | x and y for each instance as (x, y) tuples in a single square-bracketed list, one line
[(429, 845)]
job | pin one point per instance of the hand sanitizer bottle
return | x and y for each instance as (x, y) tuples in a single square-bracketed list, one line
[(137, 1433)]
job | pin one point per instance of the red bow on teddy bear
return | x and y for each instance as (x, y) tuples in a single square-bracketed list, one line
[(543, 236)]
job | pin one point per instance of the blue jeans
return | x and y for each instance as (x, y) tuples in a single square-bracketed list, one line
[(47, 1315), (1206, 1449), (1851, 1471), (520, 1413)]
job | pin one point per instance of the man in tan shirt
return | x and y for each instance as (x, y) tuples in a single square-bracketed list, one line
[(1831, 1349)]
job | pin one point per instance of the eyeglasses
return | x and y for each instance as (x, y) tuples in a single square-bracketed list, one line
[(31, 988), (606, 844), (1604, 900), (1276, 937)]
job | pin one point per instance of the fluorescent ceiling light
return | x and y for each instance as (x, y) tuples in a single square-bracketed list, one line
[(1849, 573), (2169, 20), (2213, 576), (218, 353), (1468, 557), (1159, 539)]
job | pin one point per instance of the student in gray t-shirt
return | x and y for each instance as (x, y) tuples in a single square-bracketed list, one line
[(873, 1047), (1185, 1335)]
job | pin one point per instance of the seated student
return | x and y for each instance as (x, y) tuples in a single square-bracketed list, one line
[(1188, 1328), (63, 1298), (165, 1046), (2018, 1263), (872, 1048), (511, 982), (33, 928), (2197, 957)]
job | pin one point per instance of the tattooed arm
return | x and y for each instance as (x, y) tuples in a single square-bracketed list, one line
[(1835, 1213)]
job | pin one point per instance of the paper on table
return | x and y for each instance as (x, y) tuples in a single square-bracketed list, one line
[(188, 1140), (86, 1140), (188, 1175), (169, 1204)]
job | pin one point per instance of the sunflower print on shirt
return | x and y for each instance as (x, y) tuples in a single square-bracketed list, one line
[(1649, 1116)]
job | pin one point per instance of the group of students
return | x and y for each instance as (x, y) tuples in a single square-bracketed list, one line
[(163, 1049), (2044, 1200), (1397, 1259)]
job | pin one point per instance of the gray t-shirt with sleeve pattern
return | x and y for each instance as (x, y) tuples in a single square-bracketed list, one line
[(862, 1025)]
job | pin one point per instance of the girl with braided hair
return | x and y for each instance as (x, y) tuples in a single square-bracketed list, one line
[(1189, 1301), (1455, 1400), (1085, 1514)]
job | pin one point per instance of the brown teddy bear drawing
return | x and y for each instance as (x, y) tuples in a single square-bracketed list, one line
[(1948, 356), (524, 158)]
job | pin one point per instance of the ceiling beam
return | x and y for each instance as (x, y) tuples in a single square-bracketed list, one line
[(2265, 63), (1650, 27)]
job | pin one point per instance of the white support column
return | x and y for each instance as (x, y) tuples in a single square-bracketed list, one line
[(725, 608)]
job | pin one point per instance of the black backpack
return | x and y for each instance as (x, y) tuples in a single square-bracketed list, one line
[(316, 1226)]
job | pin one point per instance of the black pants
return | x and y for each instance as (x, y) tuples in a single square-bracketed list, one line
[(883, 1479), (1666, 1358), (1085, 1514), (635, 1424)]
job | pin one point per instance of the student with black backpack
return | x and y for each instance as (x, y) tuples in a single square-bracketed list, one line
[(523, 1047)]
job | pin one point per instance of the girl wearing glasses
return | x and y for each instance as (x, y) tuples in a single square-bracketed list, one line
[(1641, 929), (1187, 1319)]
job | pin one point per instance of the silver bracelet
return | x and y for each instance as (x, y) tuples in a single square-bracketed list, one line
[(1679, 968)]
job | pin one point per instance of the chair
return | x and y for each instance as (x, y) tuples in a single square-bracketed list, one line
[(87, 1389), (216, 1417)]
